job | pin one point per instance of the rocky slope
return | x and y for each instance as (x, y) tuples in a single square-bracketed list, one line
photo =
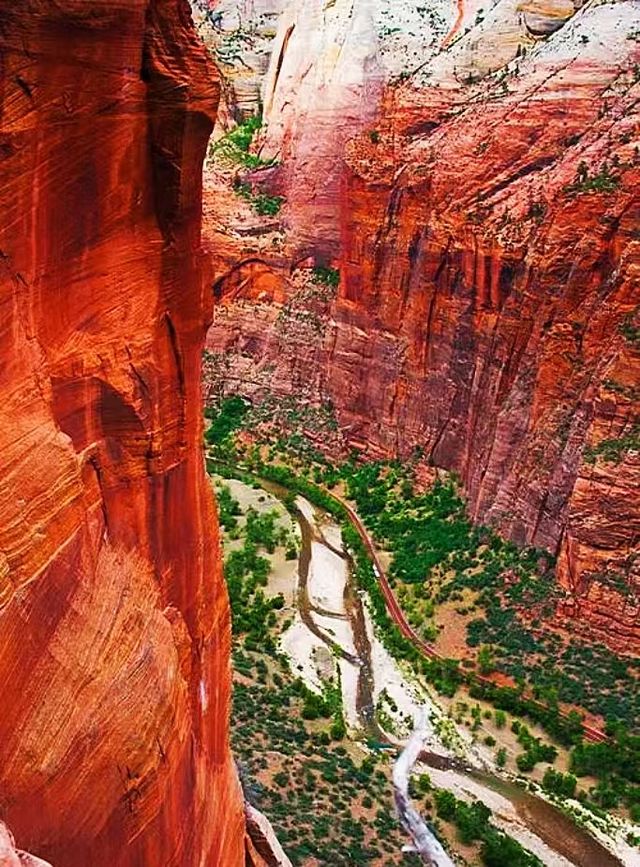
[(239, 36), (114, 625), (488, 311)]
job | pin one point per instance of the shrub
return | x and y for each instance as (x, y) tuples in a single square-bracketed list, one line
[(526, 762), (445, 802), (326, 276), (235, 146), (486, 660), (559, 783), (229, 418)]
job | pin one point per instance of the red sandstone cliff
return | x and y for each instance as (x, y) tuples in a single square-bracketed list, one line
[(114, 625), (490, 297)]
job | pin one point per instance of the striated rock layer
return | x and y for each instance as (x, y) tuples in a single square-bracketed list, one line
[(114, 623), (489, 307), (325, 82), (239, 35)]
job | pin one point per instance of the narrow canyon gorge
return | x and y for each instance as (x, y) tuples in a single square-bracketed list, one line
[(405, 239), (475, 183)]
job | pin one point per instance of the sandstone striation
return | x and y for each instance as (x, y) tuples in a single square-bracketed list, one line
[(489, 307), (329, 67), (114, 623)]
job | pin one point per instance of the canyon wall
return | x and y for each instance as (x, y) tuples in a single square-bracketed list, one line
[(489, 305), (325, 82), (239, 36), (114, 622)]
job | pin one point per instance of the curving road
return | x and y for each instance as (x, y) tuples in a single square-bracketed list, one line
[(396, 612)]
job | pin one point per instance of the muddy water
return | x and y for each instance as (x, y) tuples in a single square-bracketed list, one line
[(544, 820), (552, 826), (355, 615)]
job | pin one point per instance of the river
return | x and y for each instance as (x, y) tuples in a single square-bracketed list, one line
[(534, 822)]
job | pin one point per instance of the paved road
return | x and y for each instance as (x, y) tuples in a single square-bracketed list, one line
[(393, 607)]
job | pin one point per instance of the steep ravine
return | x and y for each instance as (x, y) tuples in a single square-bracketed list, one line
[(485, 227)]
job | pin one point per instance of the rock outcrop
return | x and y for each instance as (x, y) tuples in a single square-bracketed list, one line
[(263, 847), (12, 857), (239, 36), (330, 64), (489, 306), (114, 622)]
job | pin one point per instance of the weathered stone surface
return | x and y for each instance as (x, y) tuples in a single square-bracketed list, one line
[(114, 624), (325, 82), (12, 857), (239, 36), (263, 847)]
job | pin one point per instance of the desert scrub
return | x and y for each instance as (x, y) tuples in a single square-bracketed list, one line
[(613, 450), (235, 146), (473, 826), (602, 182), (326, 276), (263, 205), (324, 801)]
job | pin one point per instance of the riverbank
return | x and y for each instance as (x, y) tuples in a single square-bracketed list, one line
[(315, 662)]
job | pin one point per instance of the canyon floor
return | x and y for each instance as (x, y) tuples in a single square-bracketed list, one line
[(351, 699)]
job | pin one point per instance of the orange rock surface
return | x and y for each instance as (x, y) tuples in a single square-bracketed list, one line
[(114, 623)]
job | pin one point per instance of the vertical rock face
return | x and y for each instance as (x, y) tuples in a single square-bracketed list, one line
[(114, 625), (491, 280), (489, 307), (239, 35), (328, 69)]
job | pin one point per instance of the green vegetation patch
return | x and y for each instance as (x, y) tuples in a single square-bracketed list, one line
[(435, 547), (235, 147), (602, 182), (473, 825), (629, 329), (228, 418), (326, 276), (263, 205), (613, 450)]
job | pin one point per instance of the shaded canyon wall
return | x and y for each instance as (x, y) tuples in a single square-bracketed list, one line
[(114, 623)]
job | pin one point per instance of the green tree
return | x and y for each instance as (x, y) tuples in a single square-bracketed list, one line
[(486, 660)]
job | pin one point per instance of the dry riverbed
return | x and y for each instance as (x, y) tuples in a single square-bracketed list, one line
[(328, 631)]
